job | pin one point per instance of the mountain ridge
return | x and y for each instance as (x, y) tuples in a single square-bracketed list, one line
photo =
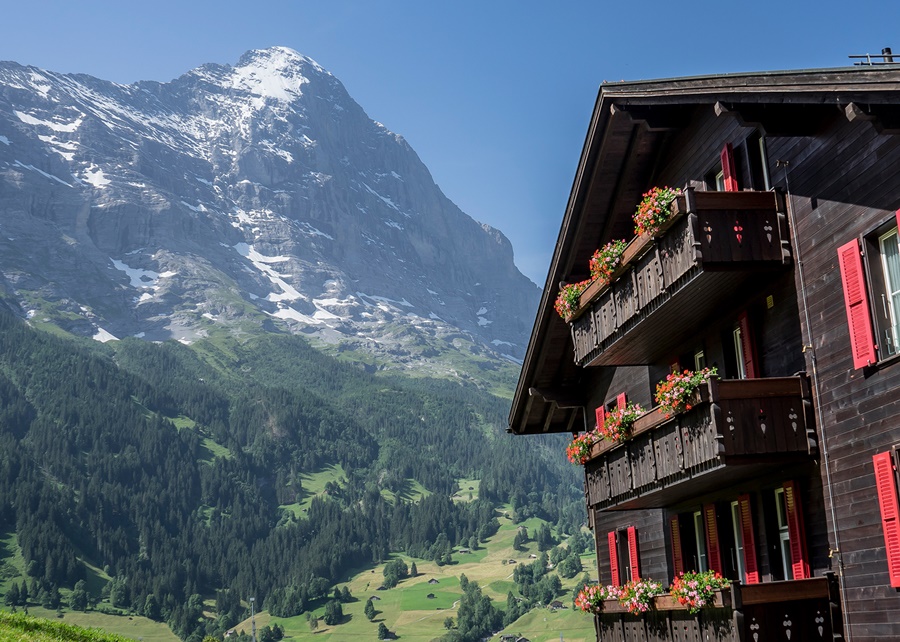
[(258, 197)]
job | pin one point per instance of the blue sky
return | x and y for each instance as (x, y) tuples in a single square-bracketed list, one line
[(494, 95)]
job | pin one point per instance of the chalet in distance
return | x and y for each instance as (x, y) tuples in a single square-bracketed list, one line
[(781, 269)]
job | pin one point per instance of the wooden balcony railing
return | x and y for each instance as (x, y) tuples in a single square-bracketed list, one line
[(736, 429), (713, 245), (794, 610)]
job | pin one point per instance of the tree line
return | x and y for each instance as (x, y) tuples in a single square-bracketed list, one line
[(168, 468)]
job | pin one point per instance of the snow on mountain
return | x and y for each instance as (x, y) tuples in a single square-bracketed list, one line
[(258, 197)]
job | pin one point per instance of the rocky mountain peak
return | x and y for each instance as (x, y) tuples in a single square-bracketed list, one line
[(244, 199)]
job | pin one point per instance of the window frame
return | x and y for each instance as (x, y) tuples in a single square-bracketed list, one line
[(784, 533), (885, 317), (872, 267)]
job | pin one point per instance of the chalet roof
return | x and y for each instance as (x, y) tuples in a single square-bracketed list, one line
[(630, 127)]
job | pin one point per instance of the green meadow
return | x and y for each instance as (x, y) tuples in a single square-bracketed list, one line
[(414, 610)]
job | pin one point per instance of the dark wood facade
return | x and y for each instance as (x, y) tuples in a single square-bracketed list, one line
[(778, 452)]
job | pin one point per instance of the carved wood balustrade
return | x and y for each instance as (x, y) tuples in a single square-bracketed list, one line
[(735, 429), (714, 243), (796, 610)]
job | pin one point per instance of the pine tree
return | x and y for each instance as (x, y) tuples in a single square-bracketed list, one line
[(12, 595), (413, 571), (79, 598), (369, 610), (383, 632)]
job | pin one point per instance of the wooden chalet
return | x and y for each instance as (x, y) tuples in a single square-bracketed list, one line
[(780, 268)]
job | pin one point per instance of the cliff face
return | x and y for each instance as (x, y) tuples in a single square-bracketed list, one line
[(258, 197)]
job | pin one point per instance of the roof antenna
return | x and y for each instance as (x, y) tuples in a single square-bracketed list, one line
[(866, 60)]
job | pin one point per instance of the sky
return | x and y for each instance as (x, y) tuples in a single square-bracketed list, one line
[(495, 96)]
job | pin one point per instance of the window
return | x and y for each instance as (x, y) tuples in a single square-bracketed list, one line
[(744, 349), (870, 277), (739, 353), (700, 543), (784, 536), (890, 295), (723, 537), (737, 552), (699, 360), (758, 161), (623, 556)]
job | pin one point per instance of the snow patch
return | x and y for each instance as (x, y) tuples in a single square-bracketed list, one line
[(482, 310), (292, 315), (382, 299), (142, 280), (57, 127), (194, 208), (272, 73), (261, 263), (4, 140), (103, 336), (484, 322), (384, 199), (95, 176), (498, 342), (41, 172), (64, 148), (316, 232)]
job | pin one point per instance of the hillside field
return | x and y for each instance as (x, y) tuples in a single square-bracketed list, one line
[(408, 612)]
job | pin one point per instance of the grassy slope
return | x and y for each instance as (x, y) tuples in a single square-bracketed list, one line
[(19, 628), (407, 611)]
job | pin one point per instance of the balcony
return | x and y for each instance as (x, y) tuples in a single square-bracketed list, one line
[(716, 243), (737, 429), (794, 610)]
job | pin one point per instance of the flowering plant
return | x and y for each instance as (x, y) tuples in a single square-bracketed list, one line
[(617, 424), (637, 595), (654, 210), (567, 301), (580, 448), (606, 260), (675, 393), (590, 598), (696, 590)]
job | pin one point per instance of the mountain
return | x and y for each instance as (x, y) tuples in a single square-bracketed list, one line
[(243, 199)]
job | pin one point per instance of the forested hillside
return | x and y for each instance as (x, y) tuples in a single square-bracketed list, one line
[(179, 472)]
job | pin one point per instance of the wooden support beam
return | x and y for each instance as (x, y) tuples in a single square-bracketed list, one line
[(657, 118), (779, 119), (562, 398), (548, 419), (885, 118)]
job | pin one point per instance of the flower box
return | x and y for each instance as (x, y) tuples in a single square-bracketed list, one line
[(666, 602)]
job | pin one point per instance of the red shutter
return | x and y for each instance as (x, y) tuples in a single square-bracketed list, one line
[(862, 343), (799, 558), (886, 485), (677, 554), (748, 347), (729, 173), (613, 559), (712, 538), (601, 416), (750, 565), (633, 553), (621, 400)]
